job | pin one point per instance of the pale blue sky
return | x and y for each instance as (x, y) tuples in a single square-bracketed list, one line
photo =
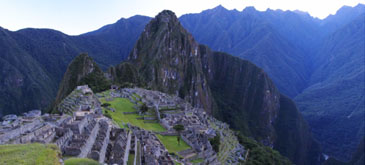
[(79, 16)]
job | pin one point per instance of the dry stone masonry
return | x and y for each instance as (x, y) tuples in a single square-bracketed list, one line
[(80, 130)]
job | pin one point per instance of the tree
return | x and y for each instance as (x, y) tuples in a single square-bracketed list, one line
[(144, 108), (178, 128)]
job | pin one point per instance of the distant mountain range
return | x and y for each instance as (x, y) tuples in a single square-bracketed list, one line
[(318, 63)]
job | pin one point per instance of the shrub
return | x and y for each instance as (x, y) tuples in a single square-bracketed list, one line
[(215, 142), (144, 108), (105, 105)]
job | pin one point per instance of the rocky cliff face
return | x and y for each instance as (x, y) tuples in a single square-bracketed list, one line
[(82, 70), (167, 58), (245, 95)]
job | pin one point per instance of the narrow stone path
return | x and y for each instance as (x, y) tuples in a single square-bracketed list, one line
[(127, 148)]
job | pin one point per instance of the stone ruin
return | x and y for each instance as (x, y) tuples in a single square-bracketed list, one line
[(81, 130), (197, 124), (80, 100), (153, 151)]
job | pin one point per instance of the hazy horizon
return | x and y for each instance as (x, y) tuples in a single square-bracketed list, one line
[(80, 17)]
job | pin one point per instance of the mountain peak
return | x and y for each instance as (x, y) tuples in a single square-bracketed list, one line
[(250, 9), (219, 7), (166, 16)]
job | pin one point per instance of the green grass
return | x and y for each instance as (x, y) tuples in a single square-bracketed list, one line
[(138, 153), (171, 144), (81, 161), (35, 153), (130, 159), (124, 105), (200, 160), (177, 163)]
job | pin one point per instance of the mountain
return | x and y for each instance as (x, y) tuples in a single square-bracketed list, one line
[(251, 35), (120, 36), (335, 101), (167, 58), (342, 17), (24, 83), (36, 60), (82, 71), (358, 157)]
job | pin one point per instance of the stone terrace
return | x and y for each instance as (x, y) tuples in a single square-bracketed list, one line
[(81, 130), (153, 151)]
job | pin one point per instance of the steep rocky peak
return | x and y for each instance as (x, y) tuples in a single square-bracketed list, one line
[(166, 16), (166, 37), (165, 20), (168, 59)]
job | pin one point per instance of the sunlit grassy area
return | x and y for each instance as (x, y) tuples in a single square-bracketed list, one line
[(130, 159), (81, 161), (124, 105), (171, 144), (177, 163), (35, 153)]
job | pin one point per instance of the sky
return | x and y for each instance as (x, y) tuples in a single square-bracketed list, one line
[(75, 17)]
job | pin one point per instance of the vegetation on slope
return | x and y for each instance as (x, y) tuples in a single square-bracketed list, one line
[(259, 154), (125, 74), (29, 154), (334, 103), (290, 122), (24, 84)]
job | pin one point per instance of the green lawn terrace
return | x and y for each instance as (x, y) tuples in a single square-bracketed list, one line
[(80, 161), (172, 145), (33, 153), (125, 112)]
